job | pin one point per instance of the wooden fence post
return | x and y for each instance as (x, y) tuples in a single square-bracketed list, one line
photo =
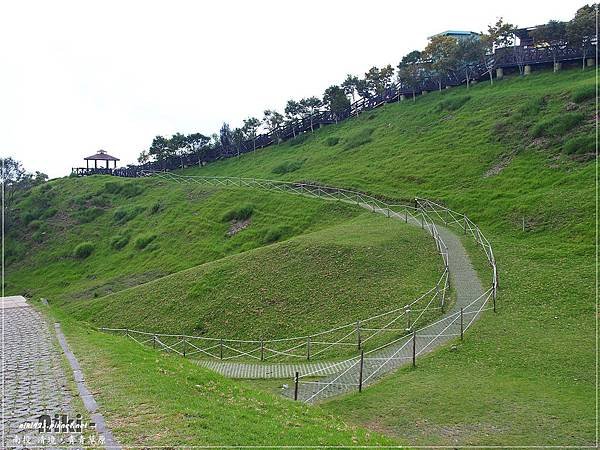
[(296, 386), (360, 372), (462, 330), (414, 349)]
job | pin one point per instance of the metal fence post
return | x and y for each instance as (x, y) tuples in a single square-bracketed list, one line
[(154, 341), (358, 340), (462, 330), (221, 349), (184, 346), (262, 349), (494, 296), (360, 372), (296, 386), (405, 216), (465, 223), (308, 348), (414, 349)]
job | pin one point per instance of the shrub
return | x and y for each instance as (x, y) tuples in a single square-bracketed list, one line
[(127, 190), (89, 214), (584, 93), (287, 167), (125, 214), (29, 216), (452, 103), (83, 250), (557, 125), (360, 138), (300, 139), (156, 207), (274, 234), (240, 213), (119, 241), (332, 141), (112, 187), (142, 241), (532, 107), (580, 145), (35, 224)]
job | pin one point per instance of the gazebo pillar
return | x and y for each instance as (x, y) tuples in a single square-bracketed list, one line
[(87, 163), (95, 164)]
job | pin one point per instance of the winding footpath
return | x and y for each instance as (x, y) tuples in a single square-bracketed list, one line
[(339, 377)]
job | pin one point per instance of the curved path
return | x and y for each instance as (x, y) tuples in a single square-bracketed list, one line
[(343, 376)]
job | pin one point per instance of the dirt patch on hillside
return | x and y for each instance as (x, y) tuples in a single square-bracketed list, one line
[(498, 167), (237, 226)]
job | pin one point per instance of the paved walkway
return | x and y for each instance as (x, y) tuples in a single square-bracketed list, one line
[(34, 379)]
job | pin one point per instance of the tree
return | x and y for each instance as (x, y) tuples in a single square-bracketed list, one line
[(238, 139), (16, 181), (251, 125), (581, 30), (293, 111), (349, 86), (144, 157), (160, 149), (197, 144), (467, 53), (409, 71), (335, 99), (440, 54), (273, 120), (309, 107), (178, 146), (378, 80), (501, 34), (553, 35), (225, 138), (362, 87)]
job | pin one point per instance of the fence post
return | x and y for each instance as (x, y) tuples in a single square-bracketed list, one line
[(465, 223), (462, 329), (360, 372), (477, 238), (184, 342), (358, 340), (408, 324), (126, 332), (262, 349), (154, 341), (405, 216), (414, 349), (308, 348), (296, 386), (388, 211), (422, 225), (494, 295), (221, 349)]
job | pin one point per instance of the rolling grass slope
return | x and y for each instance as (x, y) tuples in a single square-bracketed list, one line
[(505, 157), (309, 283)]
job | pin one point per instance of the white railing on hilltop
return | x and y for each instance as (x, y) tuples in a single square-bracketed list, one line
[(391, 332)]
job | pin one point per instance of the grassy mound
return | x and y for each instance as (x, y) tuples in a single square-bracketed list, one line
[(306, 284)]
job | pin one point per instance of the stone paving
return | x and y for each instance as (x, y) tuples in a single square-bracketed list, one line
[(34, 377)]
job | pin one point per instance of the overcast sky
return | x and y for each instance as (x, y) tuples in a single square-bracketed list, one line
[(78, 76)]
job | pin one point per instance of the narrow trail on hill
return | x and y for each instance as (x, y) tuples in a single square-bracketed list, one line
[(340, 377)]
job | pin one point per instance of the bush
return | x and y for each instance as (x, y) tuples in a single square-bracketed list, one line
[(360, 138), (142, 241), (580, 145), (240, 213), (128, 190), (119, 241), (287, 167), (300, 139), (453, 103), (584, 93), (35, 224), (274, 234), (83, 250), (125, 214), (332, 141), (156, 207), (558, 125), (88, 215)]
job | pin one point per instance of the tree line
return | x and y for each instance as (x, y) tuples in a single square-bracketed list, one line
[(442, 57)]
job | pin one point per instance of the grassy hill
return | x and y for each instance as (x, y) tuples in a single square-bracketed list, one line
[(520, 151), (517, 157)]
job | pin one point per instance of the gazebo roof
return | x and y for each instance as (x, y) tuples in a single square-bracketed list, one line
[(101, 156)]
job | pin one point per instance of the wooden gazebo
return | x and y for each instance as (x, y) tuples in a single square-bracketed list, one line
[(101, 156)]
